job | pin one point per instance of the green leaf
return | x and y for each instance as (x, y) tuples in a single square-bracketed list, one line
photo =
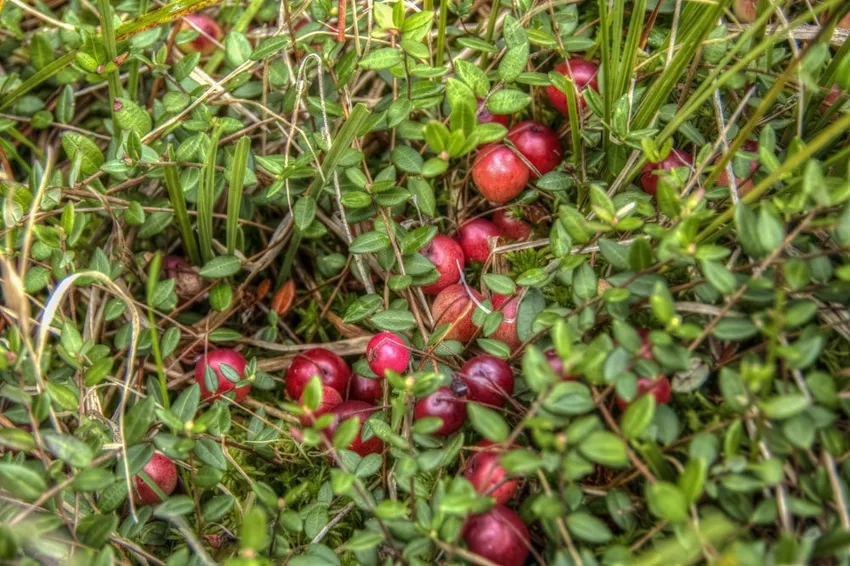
[(369, 242), (588, 528), (487, 422), (79, 147), (667, 502), (604, 448), (784, 406), (507, 101), (270, 46), (381, 59), (501, 284), (394, 320), (474, 77), (407, 159), (21, 481), (220, 267), (304, 213), (638, 416)]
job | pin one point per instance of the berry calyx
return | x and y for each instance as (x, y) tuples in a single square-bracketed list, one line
[(214, 359), (387, 351)]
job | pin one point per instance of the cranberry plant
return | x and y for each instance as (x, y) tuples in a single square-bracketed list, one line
[(386, 282)]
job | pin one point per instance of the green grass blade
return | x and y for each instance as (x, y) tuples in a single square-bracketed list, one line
[(206, 199), (181, 214), (234, 195), (112, 78), (42, 75), (164, 15), (153, 279)]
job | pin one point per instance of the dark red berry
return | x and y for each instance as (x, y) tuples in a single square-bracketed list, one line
[(161, 469), (583, 73), (499, 535), (510, 223), (331, 369), (387, 351), (659, 387), (361, 410), (489, 380), (485, 117), (443, 404), (499, 173), (538, 144), (447, 256), (488, 477), (650, 175), (214, 359), (330, 399), (365, 389), (476, 238), (557, 365)]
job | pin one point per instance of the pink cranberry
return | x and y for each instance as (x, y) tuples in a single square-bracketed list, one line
[(454, 307), (489, 380), (162, 471), (659, 387), (447, 256), (387, 351), (331, 369), (330, 399), (498, 173), (365, 389), (214, 360), (538, 144), (499, 535), (488, 477), (583, 73), (510, 222), (443, 404), (361, 410), (475, 238), (506, 331)]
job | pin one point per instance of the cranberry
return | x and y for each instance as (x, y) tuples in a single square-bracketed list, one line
[(583, 73), (331, 369), (361, 410), (488, 380), (506, 331), (443, 404), (746, 184), (214, 359), (539, 144), (187, 282), (499, 535), (330, 399), (557, 365), (499, 173), (447, 256), (510, 223), (365, 389), (163, 472), (659, 387), (485, 117), (487, 476), (650, 175), (453, 306), (645, 345), (208, 34), (387, 351), (745, 10), (474, 238)]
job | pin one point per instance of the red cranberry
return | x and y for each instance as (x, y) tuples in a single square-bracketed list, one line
[(659, 387), (453, 306), (538, 144), (443, 404), (367, 390), (499, 173), (557, 365), (474, 238), (650, 175), (163, 472), (208, 29), (583, 73), (214, 359), (510, 223), (744, 185), (447, 256), (331, 369), (387, 351), (187, 282), (485, 117), (506, 331), (361, 410), (487, 476), (330, 399), (488, 380), (499, 535)]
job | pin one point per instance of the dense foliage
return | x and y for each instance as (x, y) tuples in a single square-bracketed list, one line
[(531, 282)]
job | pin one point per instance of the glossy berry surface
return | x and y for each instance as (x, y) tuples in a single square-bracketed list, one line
[(331, 369), (485, 117), (330, 399), (444, 405), (650, 175), (163, 472), (208, 34), (453, 306), (499, 535), (387, 351), (583, 73), (557, 366), (475, 238), (365, 389), (498, 173), (447, 256), (488, 477), (361, 410), (506, 331), (539, 144), (489, 380), (214, 359), (509, 221), (659, 387)]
